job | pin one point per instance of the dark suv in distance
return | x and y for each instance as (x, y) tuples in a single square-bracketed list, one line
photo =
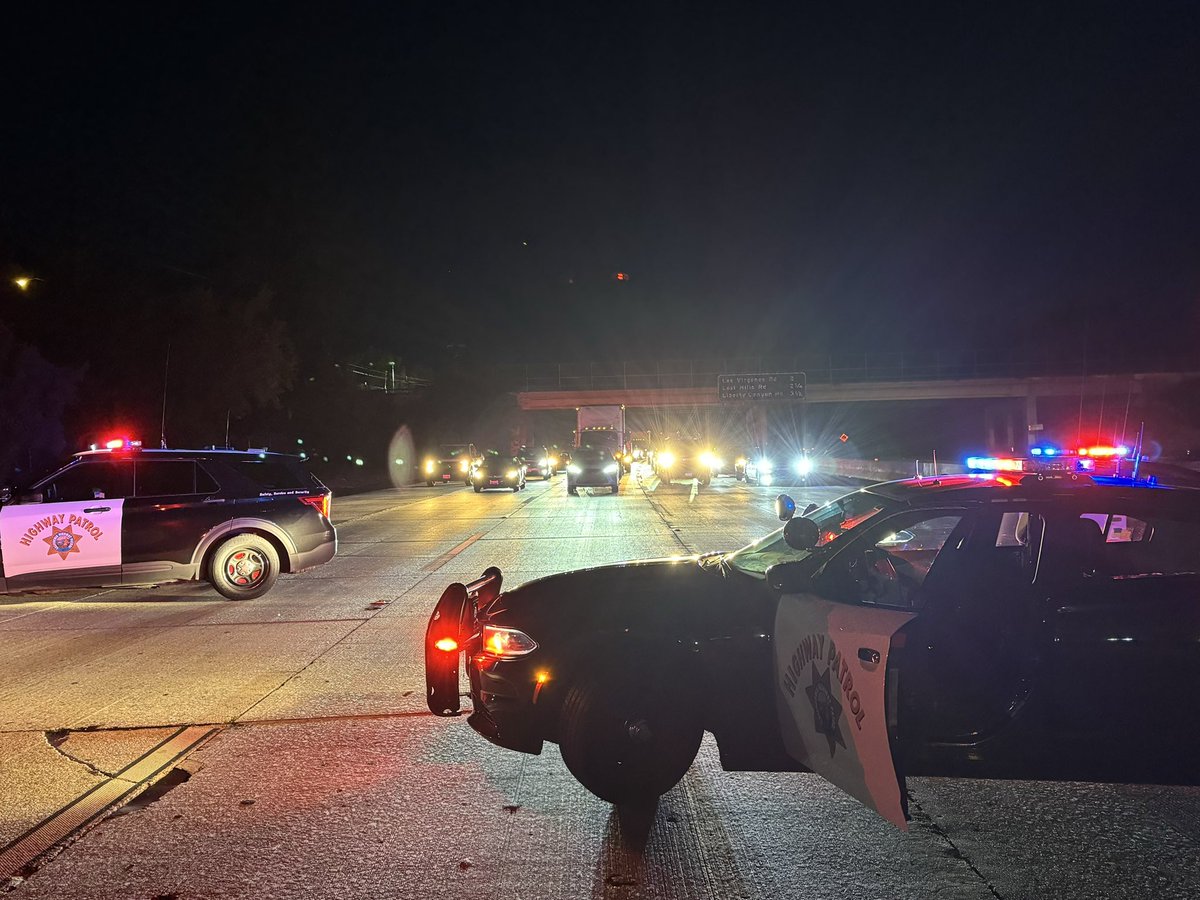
[(449, 462), (538, 462), (593, 467), (127, 516)]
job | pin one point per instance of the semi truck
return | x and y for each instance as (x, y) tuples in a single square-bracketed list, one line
[(601, 426)]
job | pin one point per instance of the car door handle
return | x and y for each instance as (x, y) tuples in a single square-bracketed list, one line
[(867, 655), (96, 509)]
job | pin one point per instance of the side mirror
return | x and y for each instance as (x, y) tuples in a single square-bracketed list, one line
[(789, 578), (809, 509), (785, 507), (6, 494), (801, 534)]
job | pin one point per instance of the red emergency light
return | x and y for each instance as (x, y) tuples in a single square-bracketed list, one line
[(122, 443)]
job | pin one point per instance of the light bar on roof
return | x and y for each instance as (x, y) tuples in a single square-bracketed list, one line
[(995, 464)]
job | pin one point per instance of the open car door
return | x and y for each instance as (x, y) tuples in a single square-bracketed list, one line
[(830, 682)]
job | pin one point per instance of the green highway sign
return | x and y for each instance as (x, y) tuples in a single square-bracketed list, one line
[(762, 387)]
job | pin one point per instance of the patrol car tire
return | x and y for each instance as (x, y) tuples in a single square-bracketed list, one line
[(478, 489), (628, 738), (243, 567), (429, 483)]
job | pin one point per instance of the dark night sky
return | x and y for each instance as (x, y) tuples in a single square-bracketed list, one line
[(770, 180)]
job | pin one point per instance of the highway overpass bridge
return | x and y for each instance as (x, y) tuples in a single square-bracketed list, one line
[(896, 379)]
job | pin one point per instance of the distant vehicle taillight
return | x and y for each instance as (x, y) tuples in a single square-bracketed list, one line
[(320, 502)]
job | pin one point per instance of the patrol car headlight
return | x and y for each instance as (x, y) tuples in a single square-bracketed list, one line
[(430, 465), (574, 469), (506, 643), (765, 465), (740, 461), (464, 465), (477, 474), (554, 461), (802, 465), (708, 460), (511, 473), (610, 469), (666, 459), (543, 462)]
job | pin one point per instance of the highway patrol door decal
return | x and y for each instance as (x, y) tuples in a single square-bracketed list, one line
[(50, 538), (831, 700)]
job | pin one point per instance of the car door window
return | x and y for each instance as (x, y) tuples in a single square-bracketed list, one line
[(88, 480), (161, 477), (1143, 545), (889, 565)]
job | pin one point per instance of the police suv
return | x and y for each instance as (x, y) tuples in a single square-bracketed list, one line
[(122, 516)]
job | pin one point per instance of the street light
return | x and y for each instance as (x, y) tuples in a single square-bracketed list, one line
[(22, 282)]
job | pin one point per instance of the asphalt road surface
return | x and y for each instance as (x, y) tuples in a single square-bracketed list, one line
[(281, 748)]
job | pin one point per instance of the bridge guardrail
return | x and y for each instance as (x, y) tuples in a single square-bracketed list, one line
[(826, 370)]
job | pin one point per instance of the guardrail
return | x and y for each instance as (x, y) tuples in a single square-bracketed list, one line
[(820, 369)]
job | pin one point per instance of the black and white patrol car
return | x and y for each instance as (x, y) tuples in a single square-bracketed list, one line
[(1001, 627), (127, 516)]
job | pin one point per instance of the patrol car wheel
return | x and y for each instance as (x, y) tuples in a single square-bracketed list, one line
[(628, 740), (478, 489), (429, 483), (244, 567)]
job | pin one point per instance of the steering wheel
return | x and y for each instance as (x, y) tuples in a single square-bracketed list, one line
[(874, 575)]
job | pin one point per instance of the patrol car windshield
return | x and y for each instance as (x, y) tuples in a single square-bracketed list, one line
[(834, 519), (450, 451)]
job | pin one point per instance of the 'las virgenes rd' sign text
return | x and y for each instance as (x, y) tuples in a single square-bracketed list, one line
[(761, 387)]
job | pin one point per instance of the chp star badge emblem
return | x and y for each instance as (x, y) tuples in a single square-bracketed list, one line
[(64, 542), (827, 711)]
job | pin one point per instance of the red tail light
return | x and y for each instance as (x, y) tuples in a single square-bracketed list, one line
[(322, 503)]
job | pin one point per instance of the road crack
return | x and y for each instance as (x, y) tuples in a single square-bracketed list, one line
[(658, 508), (57, 738), (925, 821)]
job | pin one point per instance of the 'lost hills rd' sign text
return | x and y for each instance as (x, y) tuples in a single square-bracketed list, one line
[(761, 387)]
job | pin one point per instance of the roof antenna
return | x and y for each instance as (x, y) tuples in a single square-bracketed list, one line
[(935, 467), (162, 434)]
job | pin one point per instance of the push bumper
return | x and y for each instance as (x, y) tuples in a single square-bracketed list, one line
[(500, 712)]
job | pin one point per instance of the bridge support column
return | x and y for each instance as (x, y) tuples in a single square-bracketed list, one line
[(998, 425)]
